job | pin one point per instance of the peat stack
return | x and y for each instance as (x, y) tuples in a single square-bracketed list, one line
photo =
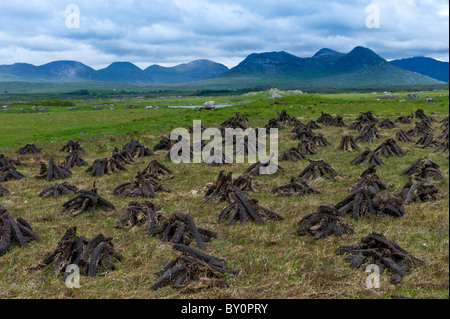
[(423, 168), (369, 156), (402, 136), (367, 118), (86, 201), (370, 179), (11, 231), (365, 202), (376, 249), (139, 214), (326, 221), (165, 143), (58, 190), (53, 171), (93, 257), (222, 189), (256, 168), (357, 126), (4, 191), (8, 162), (191, 269), (246, 209), (284, 117), (237, 121), (158, 170), (104, 166), (302, 133), (180, 229), (389, 148), (325, 119), (387, 123), (417, 190), (9, 173), (141, 186), (320, 140), (137, 149), (295, 186), (122, 156), (72, 160), (420, 129), (368, 134), (427, 140), (28, 149), (72, 146), (292, 154), (348, 144), (307, 148), (403, 119), (318, 168), (312, 125), (273, 123)]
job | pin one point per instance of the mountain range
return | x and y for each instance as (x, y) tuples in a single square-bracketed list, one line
[(327, 68)]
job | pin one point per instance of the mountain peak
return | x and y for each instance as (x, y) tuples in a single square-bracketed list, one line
[(325, 51)]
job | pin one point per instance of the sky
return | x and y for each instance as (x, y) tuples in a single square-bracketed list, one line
[(170, 32)]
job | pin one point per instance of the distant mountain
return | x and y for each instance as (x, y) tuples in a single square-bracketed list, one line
[(122, 72), (189, 72), (327, 68), (427, 66), (53, 71)]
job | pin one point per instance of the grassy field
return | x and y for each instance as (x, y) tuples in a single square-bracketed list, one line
[(273, 262)]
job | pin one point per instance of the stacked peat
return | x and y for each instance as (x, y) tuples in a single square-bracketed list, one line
[(86, 201), (53, 171), (158, 170), (164, 144), (141, 186), (427, 140), (260, 167), (137, 149), (365, 202), (93, 257), (370, 179), (58, 190), (295, 186), (222, 189), (389, 148), (377, 250), (292, 154), (369, 156), (403, 136), (105, 166), (192, 268), (387, 123), (348, 144), (138, 214), (420, 129), (423, 168), (368, 134), (246, 209), (11, 230), (326, 221), (72, 160), (9, 173), (122, 156), (403, 119), (71, 147), (28, 149), (4, 191), (318, 168), (8, 162), (417, 190), (180, 229)]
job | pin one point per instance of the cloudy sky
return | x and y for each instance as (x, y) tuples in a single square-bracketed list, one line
[(170, 32)]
